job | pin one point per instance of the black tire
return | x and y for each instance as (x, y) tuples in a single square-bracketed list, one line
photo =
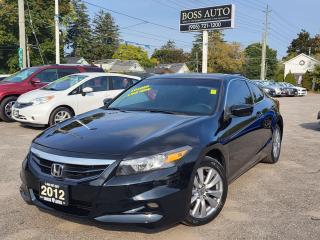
[(58, 110), (274, 158), (4, 105), (214, 164)]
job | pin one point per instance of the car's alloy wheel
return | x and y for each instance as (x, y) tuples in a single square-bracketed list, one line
[(276, 144), (61, 116), (208, 192), (5, 108), (8, 107)]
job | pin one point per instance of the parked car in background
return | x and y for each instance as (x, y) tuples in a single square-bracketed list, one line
[(69, 96), (3, 76), (264, 86), (300, 90), (155, 155), (33, 78), (290, 91)]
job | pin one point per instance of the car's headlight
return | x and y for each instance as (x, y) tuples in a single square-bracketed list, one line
[(42, 100), (158, 161), (266, 90)]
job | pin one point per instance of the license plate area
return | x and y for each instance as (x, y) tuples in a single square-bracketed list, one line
[(54, 193)]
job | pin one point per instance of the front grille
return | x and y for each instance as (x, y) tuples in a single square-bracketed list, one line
[(22, 105), (70, 171)]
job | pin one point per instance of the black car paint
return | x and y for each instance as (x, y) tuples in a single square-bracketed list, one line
[(115, 135)]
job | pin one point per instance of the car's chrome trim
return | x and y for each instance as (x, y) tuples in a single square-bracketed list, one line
[(130, 218), (71, 160)]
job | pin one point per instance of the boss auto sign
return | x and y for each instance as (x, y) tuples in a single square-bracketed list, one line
[(217, 17)]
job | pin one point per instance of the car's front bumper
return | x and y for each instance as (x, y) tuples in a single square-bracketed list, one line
[(156, 198), (35, 115)]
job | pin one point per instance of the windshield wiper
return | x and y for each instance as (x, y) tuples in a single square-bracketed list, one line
[(159, 111)]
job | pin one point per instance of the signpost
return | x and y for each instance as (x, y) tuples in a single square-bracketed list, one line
[(20, 54), (204, 19)]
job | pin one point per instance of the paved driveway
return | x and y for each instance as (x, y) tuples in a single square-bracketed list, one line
[(279, 201)]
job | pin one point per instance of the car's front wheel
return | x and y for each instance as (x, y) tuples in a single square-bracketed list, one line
[(60, 114), (5, 108), (209, 192)]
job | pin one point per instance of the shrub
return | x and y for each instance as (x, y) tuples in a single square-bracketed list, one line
[(307, 80), (290, 79)]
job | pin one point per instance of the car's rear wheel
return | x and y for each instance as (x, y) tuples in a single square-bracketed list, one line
[(60, 114), (209, 192), (5, 108), (276, 146)]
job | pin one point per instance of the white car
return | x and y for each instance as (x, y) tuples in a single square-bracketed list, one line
[(69, 96), (301, 91), (3, 76)]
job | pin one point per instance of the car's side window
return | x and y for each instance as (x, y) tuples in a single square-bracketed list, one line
[(62, 72), (257, 93), (238, 93), (122, 82), (98, 84), (47, 75)]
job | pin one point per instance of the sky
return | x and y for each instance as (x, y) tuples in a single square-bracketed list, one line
[(287, 18)]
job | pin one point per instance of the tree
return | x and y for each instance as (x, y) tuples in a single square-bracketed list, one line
[(195, 62), (290, 79), (252, 67), (79, 34), (169, 53), (105, 35), (279, 74), (42, 14), (307, 80), (300, 44), (131, 52)]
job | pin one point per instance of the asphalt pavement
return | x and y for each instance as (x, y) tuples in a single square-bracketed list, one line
[(280, 201)]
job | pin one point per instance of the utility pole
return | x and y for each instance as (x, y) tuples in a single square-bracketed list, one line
[(57, 33), (22, 33), (264, 45), (205, 52), (197, 61), (28, 54)]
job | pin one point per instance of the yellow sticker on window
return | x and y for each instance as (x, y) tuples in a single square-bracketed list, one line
[(213, 91), (139, 90)]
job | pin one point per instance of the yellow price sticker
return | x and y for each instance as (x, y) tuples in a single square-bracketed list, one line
[(213, 91)]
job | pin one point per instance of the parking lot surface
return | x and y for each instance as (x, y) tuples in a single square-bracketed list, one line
[(280, 201)]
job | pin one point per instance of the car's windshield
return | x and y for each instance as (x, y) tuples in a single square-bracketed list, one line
[(181, 95), (64, 83), (22, 75)]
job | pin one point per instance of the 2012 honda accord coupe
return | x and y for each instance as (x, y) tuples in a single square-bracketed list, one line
[(162, 152)]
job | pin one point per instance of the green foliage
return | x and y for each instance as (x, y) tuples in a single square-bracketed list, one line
[(303, 43), (105, 36), (42, 14), (79, 33), (253, 61), (130, 52), (196, 54), (169, 53), (279, 74), (307, 80), (290, 79)]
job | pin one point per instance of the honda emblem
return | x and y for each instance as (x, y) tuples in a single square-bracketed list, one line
[(56, 170)]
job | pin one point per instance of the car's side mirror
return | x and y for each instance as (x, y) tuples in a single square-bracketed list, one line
[(87, 90), (35, 81), (242, 110), (107, 101)]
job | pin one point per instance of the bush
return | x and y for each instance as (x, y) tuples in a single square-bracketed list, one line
[(307, 80), (290, 79)]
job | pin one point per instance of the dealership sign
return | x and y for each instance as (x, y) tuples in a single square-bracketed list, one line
[(210, 18)]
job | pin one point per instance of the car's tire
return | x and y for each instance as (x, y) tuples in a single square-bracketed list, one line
[(60, 114), (5, 108), (210, 195), (274, 154)]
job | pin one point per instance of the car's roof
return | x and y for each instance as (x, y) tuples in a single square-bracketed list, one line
[(100, 74), (215, 76), (65, 65)]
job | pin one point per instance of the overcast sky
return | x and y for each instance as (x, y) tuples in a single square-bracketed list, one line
[(287, 18)]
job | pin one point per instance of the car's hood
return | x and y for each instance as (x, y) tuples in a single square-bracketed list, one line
[(29, 96), (118, 133), (300, 88)]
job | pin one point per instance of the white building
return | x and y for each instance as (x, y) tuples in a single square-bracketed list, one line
[(116, 65), (170, 68), (299, 65)]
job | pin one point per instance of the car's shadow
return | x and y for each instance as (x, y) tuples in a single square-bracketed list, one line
[(39, 128), (108, 226), (311, 126)]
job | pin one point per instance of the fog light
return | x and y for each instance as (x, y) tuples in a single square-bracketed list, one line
[(153, 205)]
